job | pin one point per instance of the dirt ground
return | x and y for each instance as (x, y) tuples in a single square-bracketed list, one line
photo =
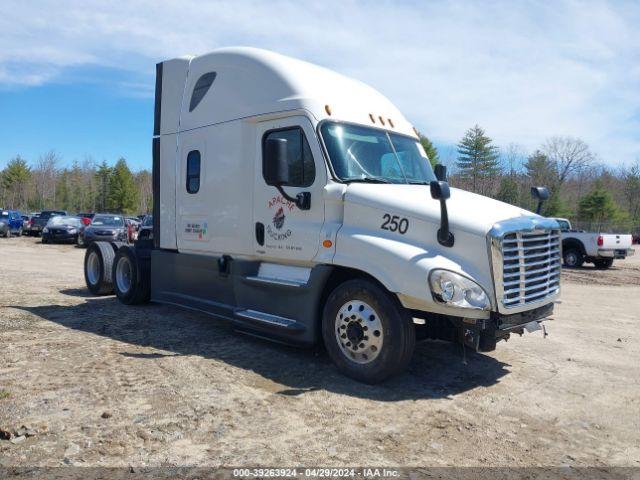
[(88, 381)]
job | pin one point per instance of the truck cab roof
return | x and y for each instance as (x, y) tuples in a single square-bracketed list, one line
[(240, 82)]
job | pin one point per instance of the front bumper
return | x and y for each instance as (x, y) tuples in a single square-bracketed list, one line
[(60, 237)]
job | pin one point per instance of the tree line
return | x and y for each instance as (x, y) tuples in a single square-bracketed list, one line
[(584, 190), (85, 186)]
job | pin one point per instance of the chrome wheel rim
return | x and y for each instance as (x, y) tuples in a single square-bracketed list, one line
[(571, 259), (93, 268), (124, 272), (359, 332)]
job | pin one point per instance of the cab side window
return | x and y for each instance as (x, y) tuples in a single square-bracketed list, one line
[(193, 171), (302, 170)]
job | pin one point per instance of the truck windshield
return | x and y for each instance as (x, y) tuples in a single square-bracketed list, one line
[(364, 154)]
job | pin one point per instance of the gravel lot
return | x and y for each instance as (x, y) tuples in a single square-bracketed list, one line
[(96, 383)]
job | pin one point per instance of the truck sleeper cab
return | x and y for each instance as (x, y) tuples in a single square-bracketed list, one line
[(300, 205)]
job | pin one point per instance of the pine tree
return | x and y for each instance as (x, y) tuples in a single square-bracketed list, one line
[(103, 173), (14, 180), (598, 206), (123, 192), (477, 158), (508, 191), (430, 150)]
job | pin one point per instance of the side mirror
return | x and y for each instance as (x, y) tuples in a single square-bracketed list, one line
[(540, 194), (441, 172), (440, 191), (276, 171), (276, 164)]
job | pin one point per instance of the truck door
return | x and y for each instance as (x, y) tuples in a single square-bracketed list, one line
[(283, 231)]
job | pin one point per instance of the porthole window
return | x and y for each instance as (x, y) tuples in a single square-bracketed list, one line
[(193, 171)]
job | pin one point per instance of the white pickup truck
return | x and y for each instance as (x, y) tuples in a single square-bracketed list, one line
[(598, 248), (299, 204)]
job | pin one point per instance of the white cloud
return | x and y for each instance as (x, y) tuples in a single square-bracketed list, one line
[(523, 70)]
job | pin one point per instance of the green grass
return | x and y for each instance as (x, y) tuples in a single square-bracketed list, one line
[(4, 394)]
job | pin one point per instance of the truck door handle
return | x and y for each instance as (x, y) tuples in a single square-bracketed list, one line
[(260, 233)]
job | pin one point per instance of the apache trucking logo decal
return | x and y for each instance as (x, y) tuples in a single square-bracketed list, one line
[(196, 229), (280, 207)]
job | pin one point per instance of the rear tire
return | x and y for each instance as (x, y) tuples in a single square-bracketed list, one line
[(131, 281), (366, 331), (603, 264), (572, 258), (98, 266), (44, 240)]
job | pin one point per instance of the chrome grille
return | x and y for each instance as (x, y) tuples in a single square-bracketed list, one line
[(526, 260)]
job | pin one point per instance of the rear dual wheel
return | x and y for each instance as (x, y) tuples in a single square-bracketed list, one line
[(131, 279), (98, 264), (367, 332), (603, 264)]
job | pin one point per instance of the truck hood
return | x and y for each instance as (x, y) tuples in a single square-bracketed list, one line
[(468, 211)]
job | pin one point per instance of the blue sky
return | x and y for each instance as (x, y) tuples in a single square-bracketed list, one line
[(79, 79)]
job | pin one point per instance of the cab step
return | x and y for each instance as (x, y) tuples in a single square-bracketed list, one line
[(268, 320)]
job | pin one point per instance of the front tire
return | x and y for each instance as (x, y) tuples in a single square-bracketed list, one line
[(131, 282), (98, 266), (366, 331), (572, 258)]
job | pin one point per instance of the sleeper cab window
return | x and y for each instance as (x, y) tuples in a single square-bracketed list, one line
[(193, 171), (302, 170), (200, 89)]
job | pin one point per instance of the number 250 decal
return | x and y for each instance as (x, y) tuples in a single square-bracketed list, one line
[(394, 223)]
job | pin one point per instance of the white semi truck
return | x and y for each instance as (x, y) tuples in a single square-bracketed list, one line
[(299, 204)]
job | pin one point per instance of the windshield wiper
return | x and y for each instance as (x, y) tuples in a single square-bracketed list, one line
[(368, 180), (418, 182)]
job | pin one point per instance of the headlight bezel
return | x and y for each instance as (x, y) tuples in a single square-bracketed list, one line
[(461, 291)]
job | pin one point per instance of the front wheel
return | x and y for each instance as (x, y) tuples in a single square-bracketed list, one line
[(572, 258), (367, 333)]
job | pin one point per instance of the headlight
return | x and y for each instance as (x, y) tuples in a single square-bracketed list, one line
[(45, 230), (453, 289), (72, 230)]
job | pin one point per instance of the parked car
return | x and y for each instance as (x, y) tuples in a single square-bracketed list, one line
[(600, 249), (29, 228), (25, 223), (146, 229), (105, 227), (61, 229), (41, 221), (10, 223)]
